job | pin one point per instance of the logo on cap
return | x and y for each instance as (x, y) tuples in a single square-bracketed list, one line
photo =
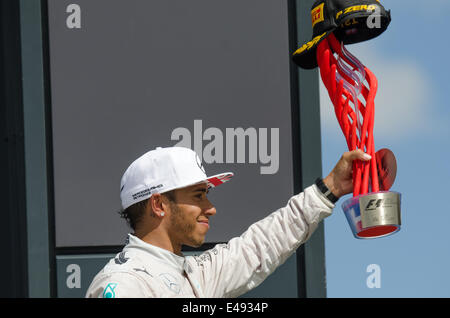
[(317, 14), (199, 163), (362, 7), (311, 43)]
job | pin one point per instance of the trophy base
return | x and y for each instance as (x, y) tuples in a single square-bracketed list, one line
[(373, 215)]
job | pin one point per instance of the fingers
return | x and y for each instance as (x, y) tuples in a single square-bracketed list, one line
[(356, 155)]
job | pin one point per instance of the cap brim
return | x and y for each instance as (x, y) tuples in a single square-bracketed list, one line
[(211, 182), (219, 179), (305, 56)]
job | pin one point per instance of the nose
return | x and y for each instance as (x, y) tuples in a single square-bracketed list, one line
[(210, 210)]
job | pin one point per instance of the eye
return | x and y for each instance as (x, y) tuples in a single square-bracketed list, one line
[(201, 195)]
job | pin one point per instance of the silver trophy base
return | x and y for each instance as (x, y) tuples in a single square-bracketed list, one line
[(373, 215)]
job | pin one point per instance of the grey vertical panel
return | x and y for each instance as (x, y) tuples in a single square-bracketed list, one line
[(35, 149), (137, 70), (314, 249)]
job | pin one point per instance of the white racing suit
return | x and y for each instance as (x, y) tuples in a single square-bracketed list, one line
[(227, 270)]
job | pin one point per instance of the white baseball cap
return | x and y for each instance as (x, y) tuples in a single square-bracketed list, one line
[(162, 170)]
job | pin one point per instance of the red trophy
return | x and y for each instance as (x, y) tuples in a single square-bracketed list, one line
[(373, 211)]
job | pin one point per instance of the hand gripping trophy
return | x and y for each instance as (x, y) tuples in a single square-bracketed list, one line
[(373, 211)]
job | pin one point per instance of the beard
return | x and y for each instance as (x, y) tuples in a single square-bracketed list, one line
[(184, 227)]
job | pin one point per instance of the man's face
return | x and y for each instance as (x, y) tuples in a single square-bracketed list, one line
[(189, 215)]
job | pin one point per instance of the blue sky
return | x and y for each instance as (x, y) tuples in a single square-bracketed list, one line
[(412, 119)]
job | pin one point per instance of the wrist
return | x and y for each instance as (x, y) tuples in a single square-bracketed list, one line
[(327, 189), (329, 182)]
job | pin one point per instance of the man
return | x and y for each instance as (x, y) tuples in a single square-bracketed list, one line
[(164, 197)]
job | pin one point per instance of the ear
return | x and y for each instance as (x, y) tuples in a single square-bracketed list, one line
[(158, 205)]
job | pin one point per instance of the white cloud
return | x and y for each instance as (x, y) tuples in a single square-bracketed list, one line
[(403, 104)]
